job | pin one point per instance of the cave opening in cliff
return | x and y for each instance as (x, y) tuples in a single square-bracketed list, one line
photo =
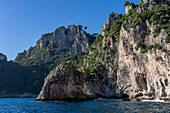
[(125, 96)]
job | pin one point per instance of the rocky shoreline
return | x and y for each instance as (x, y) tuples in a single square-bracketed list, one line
[(26, 95)]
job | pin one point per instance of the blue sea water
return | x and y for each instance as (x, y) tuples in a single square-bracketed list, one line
[(28, 105)]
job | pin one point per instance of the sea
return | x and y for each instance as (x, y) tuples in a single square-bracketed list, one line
[(29, 105)]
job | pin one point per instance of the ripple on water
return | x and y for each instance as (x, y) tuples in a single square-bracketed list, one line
[(27, 105)]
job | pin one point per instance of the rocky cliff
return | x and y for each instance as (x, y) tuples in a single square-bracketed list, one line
[(64, 83), (129, 59), (67, 40), (143, 65), (99, 65), (27, 73)]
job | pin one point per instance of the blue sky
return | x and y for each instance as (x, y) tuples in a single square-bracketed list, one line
[(22, 22)]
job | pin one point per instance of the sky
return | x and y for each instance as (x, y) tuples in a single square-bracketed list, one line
[(22, 22)]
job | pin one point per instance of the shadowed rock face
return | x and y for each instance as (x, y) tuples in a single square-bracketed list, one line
[(64, 84), (3, 57)]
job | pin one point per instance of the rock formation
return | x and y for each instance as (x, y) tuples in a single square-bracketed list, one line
[(3, 57), (68, 40), (27, 72), (64, 83), (62, 45), (143, 70), (144, 75), (109, 22), (129, 59), (128, 8)]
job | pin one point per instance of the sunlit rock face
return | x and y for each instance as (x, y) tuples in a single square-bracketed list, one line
[(131, 62), (72, 39), (128, 8), (65, 84), (143, 74), (105, 29)]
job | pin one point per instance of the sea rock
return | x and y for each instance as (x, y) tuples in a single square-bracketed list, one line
[(63, 84)]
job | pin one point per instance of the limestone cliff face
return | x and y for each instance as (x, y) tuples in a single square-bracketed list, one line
[(73, 40), (109, 22), (3, 57), (64, 83), (143, 74), (149, 5), (129, 59), (68, 40), (128, 8)]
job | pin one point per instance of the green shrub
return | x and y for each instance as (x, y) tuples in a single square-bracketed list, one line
[(46, 34), (154, 17), (134, 56), (157, 30), (164, 50), (159, 58), (167, 39), (158, 1), (106, 47), (140, 45), (80, 26), (112, 14), (157, 46), (141, 2), (85, 27), (98, 39), (129, 12), (87, 71), (134, 10), (127, 3)]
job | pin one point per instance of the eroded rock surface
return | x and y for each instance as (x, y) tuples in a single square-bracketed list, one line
[(64, 83), (143, 74), (109, 22), (67, 40), (129, 59)]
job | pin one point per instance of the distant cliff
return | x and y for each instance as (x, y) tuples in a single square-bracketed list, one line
[(29, 69), (63, 40), (15, 81)]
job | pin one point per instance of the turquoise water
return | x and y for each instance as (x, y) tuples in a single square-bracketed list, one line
[(28, 105)]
